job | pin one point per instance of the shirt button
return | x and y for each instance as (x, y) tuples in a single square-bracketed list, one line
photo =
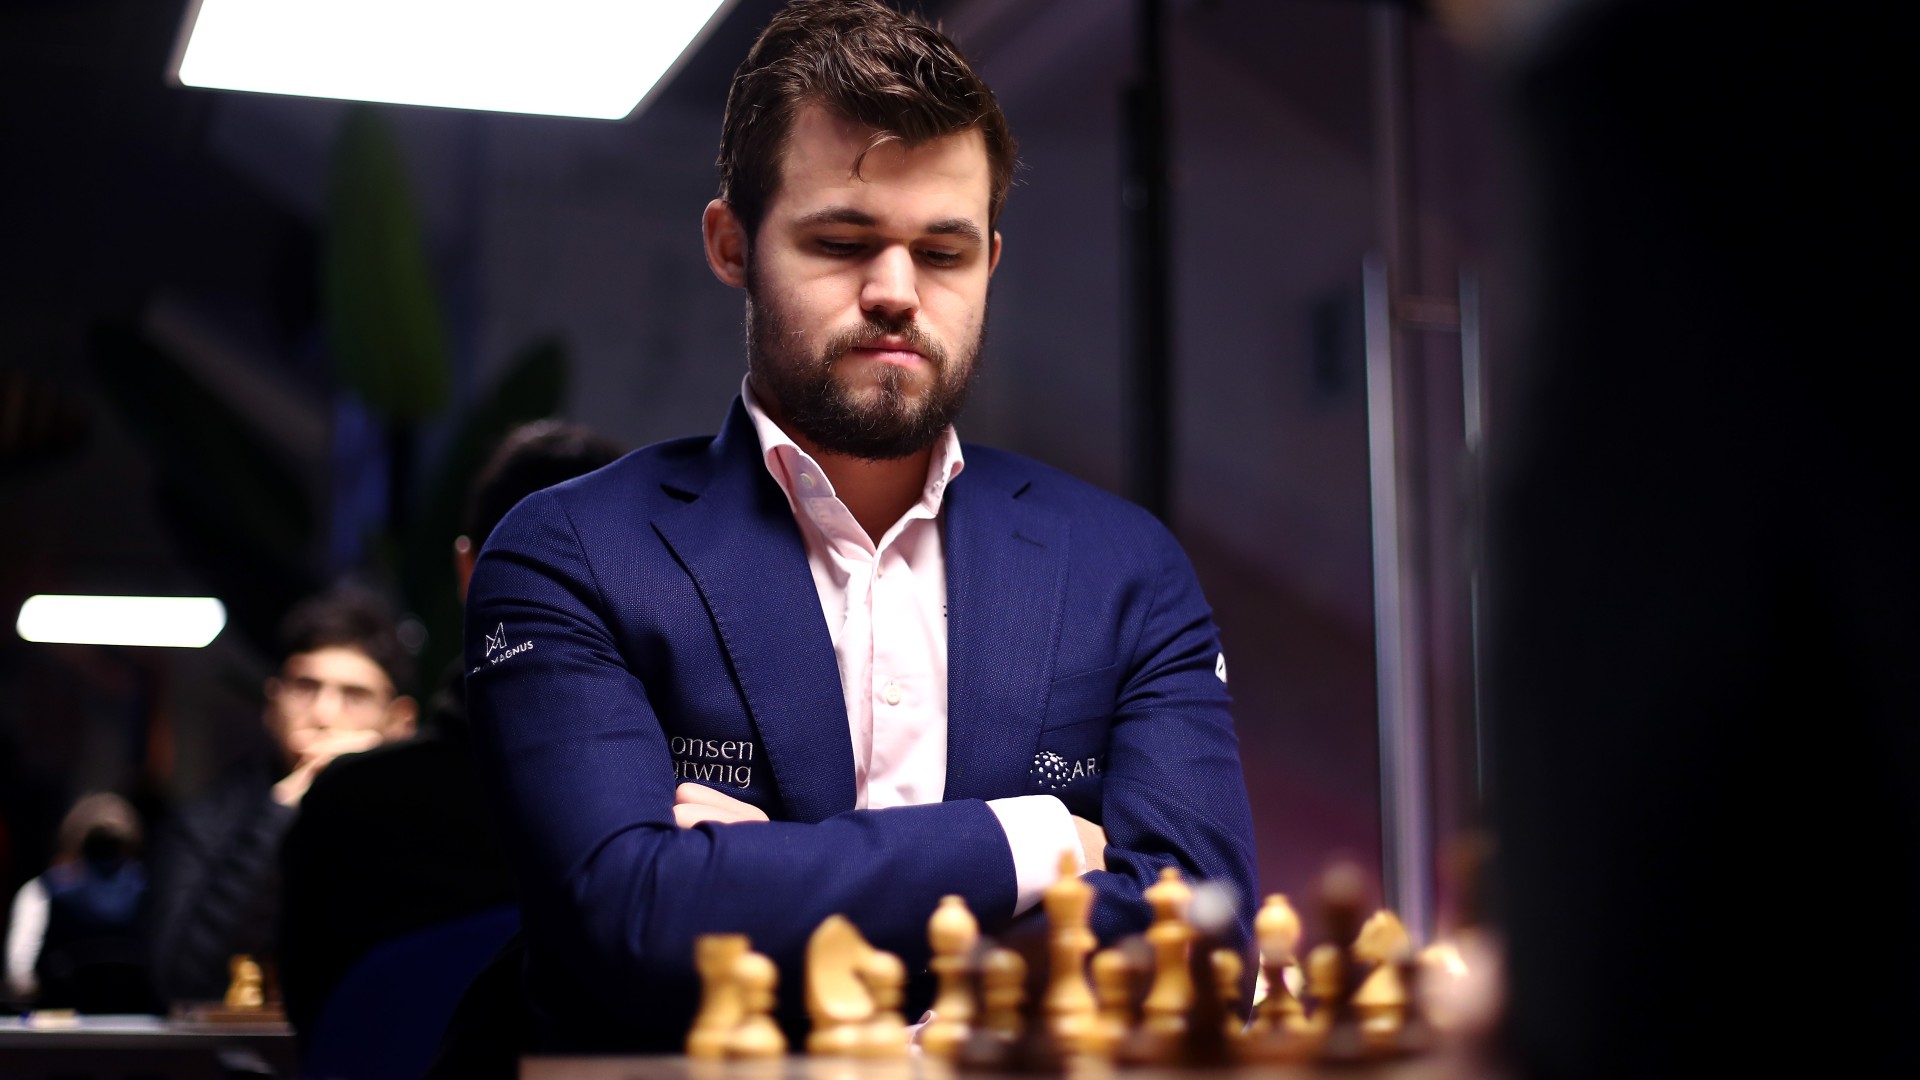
[(892, 693), (806, 479)]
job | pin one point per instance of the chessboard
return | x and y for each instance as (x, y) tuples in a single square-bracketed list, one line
[(1165, 1004)]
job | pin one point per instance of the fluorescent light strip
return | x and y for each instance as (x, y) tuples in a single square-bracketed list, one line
[(177, 622), (587, 58)]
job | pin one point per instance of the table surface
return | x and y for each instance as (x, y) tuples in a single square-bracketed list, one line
[(1438, 1066), (135, 1031)]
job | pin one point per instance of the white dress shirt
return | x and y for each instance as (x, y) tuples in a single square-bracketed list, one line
[(885, 606)]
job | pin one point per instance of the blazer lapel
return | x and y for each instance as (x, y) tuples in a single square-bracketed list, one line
[(1006, 589), (739, 542)]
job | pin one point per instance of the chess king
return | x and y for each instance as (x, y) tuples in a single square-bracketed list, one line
[(832, 660)]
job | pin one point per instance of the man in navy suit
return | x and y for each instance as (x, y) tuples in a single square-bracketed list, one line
[(832, 661)]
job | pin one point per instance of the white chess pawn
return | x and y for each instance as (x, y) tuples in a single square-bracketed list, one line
[(1172, 992), (952, 932), (885, 1035)]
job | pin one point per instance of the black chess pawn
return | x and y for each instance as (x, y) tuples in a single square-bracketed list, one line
[(1205, 1043), (1332, 972)]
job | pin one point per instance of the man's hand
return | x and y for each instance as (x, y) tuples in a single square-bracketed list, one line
[(1093, 842), (315, 753), (695, 803)]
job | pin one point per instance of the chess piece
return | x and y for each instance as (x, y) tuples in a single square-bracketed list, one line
[(1113, 976), (1380, 1003), (757, 1036), (838, 1001), (1172, 993), (952, 933), (713, 957), (1206, 1043), (1277, 929), (884, 1035), (1331, 973), (1071, 1011), (1003, 978), (244, 984), (1003, 990), (1227, 969)]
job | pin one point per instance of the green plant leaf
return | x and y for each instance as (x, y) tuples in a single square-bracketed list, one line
[(534, 386), (383, 320)]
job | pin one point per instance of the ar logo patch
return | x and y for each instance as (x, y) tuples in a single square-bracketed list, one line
[(1053, 772), (1220, 667), (497, 640)]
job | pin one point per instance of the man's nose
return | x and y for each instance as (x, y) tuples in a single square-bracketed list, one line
[(890, 288), (328, 704)]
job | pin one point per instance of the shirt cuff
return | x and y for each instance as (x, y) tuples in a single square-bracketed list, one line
[(1038, 829)]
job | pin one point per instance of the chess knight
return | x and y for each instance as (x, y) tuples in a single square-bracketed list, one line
[(898, 624)]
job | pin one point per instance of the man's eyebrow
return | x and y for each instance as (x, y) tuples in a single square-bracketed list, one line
[(847, 215), (837, 215), (957, 227)]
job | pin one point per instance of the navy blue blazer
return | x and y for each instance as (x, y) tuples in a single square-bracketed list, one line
[(656, 621)]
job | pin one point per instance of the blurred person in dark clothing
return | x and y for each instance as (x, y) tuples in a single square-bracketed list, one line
[(77, 935), (1704, 712), (216, 861), (398, 839)]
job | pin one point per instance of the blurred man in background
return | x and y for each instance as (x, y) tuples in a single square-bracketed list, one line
[(215, 863)]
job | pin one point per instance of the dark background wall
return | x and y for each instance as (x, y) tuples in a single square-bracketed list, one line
[(192, 219)]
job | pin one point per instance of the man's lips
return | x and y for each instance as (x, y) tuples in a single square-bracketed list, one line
[(888, 352)]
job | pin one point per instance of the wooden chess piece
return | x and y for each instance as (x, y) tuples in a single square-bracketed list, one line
[(1206, 1043), (1003, 982), (1380, 1003), (756, 1036), (885, 1034), (952, 933), (1172, 993), (1277, 929), (713, 957), (838, 1001), (1113, 976), (1227, 969), (244, 985), (1003, 990), (1333, 979), (1416, 1034), (1071, 1010)]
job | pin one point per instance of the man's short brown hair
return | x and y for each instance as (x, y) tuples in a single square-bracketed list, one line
[(867, 63)]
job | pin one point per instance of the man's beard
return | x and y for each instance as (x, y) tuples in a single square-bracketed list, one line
[(807, 395)]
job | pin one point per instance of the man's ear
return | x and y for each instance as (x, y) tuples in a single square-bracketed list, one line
[(726, 239), (403, 713), (993, 253)]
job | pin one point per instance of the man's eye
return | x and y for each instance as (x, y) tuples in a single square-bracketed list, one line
[(839, 247), (942, 258)]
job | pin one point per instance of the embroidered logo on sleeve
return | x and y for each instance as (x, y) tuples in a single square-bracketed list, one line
[(1220, 667), (1053, 772), (497, 649)]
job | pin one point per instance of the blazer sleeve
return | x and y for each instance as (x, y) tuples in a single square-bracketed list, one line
[(1174, 794), (573, 751)]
